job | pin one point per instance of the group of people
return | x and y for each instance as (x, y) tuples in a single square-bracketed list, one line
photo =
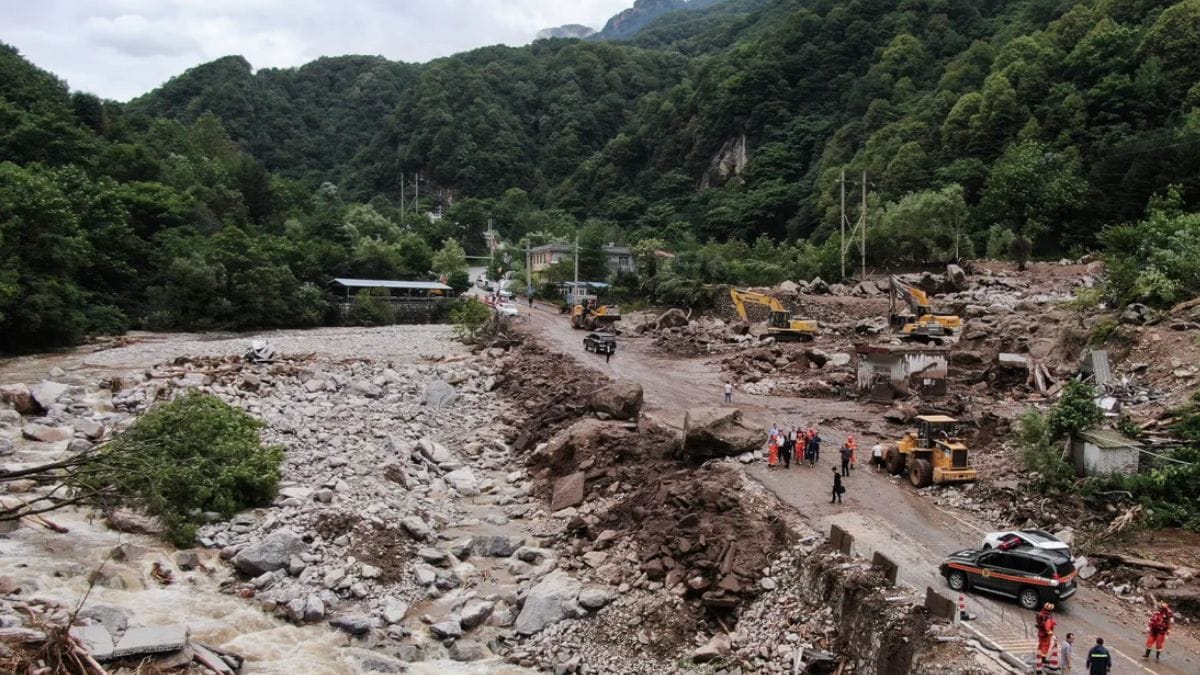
[(802, 444), (1055, 658)]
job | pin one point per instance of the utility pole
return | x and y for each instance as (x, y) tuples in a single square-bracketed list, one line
[(528, 274), (575, 288), (848, 238), (417, 194), (402, 198)]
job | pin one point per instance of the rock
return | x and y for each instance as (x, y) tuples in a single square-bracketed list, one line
[(956, 278), (314, 609), (818, 286), (6, 447), (78, 445), (672, 318), (47, 393), (19, 397), (595, 558), (370, 571), (115, 619), (496, 546), (768, 584), (45, 434), (1137, 314), (394, 610), (717, 432), (151, 640), (1066, 536), (547, 602), (97, 640), (270, 554), (605, 539), (594, 598), (434, 452), (187, 560), (354, 624), (788, 287), (1150, 582), (568, 491), (621, 400), (460, 548), (364, 389), (446, 630), (839, 360), (817, 357), (464, 481), (717, 647), (439, 394), (90, 428), (416, 527), (425, 574), (469, 650), (475, 612), (436, 557)]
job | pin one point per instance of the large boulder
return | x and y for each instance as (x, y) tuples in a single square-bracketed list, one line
[(270, 554), (672, 318), (956, 277), (787, 288), (464, 481), (717, 432), (568, 491), (439, 394), (818, 286), (621, 400), (19, 397), (45, 434), (47, 393), (547, 602)]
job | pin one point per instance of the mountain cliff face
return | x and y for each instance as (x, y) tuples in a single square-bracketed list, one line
[(571, 30), (627, 23)]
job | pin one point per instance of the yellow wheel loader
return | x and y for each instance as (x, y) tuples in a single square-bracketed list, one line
[(932, 454), (591, 318)]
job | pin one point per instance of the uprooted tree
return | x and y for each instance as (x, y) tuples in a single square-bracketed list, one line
[(185, 462)]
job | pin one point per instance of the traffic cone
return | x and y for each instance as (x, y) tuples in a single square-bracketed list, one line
[(962, 608)]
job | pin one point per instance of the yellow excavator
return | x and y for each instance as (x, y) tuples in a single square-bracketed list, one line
[(590, 317), (918, 322), (780, 324), (934, 454)]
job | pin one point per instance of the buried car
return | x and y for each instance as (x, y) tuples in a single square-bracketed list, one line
[(1029, 575)]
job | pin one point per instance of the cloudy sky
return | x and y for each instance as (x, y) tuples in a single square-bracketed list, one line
[(121, 48)]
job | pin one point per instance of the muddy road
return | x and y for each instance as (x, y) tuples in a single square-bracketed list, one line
[(881, 512)]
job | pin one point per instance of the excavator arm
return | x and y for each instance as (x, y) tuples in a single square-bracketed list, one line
[(740, 298), (914, 298)]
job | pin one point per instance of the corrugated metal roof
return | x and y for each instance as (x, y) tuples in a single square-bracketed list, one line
[(1108, 438), (1099, 367), (380, 283)]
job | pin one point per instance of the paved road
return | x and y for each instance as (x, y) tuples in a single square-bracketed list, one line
[(880, 511)]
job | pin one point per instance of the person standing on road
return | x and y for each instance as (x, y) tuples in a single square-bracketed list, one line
[(785, 450), (1045, 632), (877, 457), (608, 354), (1099, 661), (816, 446), (1068, 647), (1160, 627), (729, 392), (853, 445), (838, 489), (773, 451), (846, 453)]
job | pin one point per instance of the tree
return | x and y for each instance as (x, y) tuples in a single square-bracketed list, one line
[(450, 259), (1031, 188)]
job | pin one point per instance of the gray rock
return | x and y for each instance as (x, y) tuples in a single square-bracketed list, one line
[(434, 556), (446, 630), (90, 428), (818, 286), (716, 432), (96, 640), (716, 647), (363, 388), (547, 602), (621, 400), (464, 481), (469, 650), (459, 548), (496, 546), (394, 610), (314, 608), (19, 397), (47, 393), (354, 624), (416, 527), (956, 277), (187, 560), (425, 574), (45, 434), (78, 445), (594, 598), (115, 619), (475, 612), (439, 394), (270, 554), (672, 318)]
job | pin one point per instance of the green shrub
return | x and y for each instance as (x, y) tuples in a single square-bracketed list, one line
[(371, 308), (1076, 411), (193, 455), (459, 281), (470, 317), (1041, 453)]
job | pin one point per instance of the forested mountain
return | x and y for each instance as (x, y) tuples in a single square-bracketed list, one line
[(1028, 126)]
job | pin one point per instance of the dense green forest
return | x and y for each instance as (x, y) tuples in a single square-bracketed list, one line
[(228, 198)]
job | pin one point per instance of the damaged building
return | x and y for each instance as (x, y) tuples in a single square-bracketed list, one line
[(889, 372)]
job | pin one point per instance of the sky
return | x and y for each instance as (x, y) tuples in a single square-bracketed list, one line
[(119, 49)]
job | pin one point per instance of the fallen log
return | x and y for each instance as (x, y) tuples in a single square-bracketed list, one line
[(1134, 561)]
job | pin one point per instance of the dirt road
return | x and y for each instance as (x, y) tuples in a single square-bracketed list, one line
[(881, 512)]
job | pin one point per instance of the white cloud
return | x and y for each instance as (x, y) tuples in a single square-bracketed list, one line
[(123, 48)]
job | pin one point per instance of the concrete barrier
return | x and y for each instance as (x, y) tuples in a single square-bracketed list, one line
[(938, 604), (887, 567)]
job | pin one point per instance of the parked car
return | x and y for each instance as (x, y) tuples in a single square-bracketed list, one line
[(1009, 539), (507, 309), (1031, 576), (600, 343)]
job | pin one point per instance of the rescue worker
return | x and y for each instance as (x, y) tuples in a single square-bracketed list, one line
[(1045, 632), (1099, 661), (1160, 627), (853, 451), (773, 451), (1053, 664)]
